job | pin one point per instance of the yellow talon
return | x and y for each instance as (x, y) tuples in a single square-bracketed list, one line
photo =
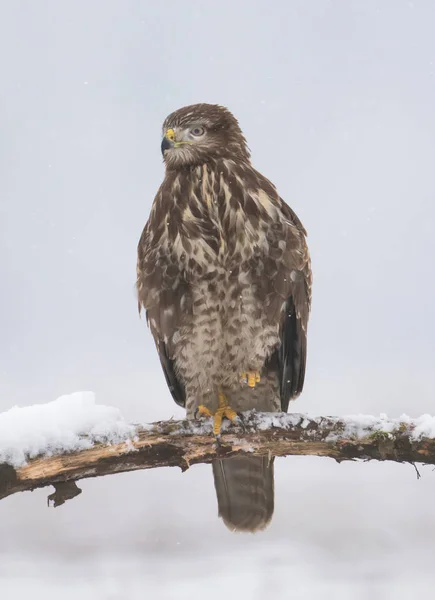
[(223, 410), (250, 377), (203, 411), (217, 423)]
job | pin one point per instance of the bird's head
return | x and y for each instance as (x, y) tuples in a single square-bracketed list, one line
[(200, 133)]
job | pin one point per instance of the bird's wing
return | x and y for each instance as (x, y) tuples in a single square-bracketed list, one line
[(175, 386), (163, 293), (287, 299), (292, 352)]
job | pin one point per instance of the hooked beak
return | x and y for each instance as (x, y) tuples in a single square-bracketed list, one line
[(168, 140)]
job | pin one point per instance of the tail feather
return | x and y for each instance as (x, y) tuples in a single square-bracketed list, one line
[(245, 492)]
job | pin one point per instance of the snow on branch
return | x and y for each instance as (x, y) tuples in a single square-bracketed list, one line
[(73, 438)]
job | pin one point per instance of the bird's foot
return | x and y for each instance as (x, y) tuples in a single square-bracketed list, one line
[(250, 377), (202, 411), (224, 410), (227, 412)]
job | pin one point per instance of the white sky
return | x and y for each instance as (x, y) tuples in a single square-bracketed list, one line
[(336, 100)]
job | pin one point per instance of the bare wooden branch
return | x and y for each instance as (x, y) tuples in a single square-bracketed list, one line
[(186, 443)]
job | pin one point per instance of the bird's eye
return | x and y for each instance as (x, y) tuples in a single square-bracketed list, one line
[(197, 131)]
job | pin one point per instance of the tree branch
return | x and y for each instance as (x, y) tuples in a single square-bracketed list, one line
[(185, 443)]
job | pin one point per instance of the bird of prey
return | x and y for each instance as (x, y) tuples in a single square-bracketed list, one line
[(224, 276)]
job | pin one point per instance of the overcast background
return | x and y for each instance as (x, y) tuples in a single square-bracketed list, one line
[(336, 99)]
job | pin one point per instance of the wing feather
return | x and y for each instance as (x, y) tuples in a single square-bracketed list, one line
[(292, 355), (175, 386), (292, 286), (162, 292)]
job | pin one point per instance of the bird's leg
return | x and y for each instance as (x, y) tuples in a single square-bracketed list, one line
[(223, 410), (250, 377)]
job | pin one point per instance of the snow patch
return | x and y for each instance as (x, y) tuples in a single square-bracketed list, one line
[(424, 428), (358, 426), (265, 421), (70, 423)]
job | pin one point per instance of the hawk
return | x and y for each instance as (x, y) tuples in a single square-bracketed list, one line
[(224, 276)]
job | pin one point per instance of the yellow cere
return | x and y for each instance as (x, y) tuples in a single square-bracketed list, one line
[(170, 134)]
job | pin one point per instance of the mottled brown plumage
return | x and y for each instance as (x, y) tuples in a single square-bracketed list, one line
[(224, 275)]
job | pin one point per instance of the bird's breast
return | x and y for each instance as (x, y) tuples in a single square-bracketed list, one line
[(215, 228), (211, 239)]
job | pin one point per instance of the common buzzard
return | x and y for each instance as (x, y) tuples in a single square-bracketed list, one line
[(224, 275)]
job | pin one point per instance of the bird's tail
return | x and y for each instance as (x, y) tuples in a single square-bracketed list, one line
[(245, 492)]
